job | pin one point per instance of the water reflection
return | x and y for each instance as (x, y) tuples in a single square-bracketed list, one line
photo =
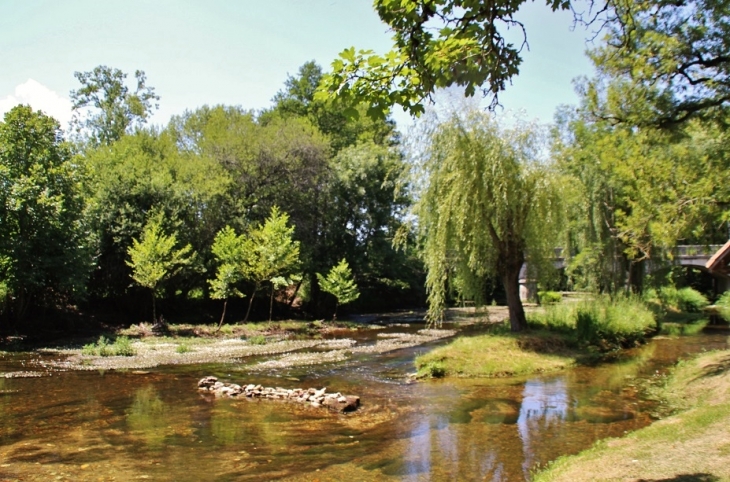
[(157, 426), (545, 406), (499, 430), (147, 417)]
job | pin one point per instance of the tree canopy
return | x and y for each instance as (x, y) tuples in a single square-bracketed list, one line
[(674, 55), (436, 44), (672, 60)]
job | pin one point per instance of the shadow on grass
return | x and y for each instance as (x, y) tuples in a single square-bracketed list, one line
[(715, 369), (687, 478)]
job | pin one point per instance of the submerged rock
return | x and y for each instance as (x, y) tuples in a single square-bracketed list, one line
[(315, 397)]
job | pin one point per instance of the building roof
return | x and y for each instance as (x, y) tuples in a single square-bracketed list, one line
[(720, 261)]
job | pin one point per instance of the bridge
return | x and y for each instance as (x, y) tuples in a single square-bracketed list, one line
[(713, 259)]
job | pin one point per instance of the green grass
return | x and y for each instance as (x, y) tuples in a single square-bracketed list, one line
[(560, 318), (614, 322), (604, 322), (257, 340), (723, 306), (692, 441), (122, 346), (498, 355), (183, 348)]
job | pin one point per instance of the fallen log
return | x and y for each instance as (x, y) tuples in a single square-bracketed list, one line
[(314, 397)]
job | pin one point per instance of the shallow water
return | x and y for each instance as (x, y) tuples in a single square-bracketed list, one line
[(156, 426)]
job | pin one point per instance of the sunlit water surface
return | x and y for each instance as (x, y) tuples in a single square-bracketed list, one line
[(157, 426)]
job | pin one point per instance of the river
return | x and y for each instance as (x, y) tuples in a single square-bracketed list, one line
[(155, 425)]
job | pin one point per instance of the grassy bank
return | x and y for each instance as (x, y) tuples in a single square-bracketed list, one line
[(560, 335), (693, 444), (499, 355)]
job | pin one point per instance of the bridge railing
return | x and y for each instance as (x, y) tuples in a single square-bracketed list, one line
[(688, 250)]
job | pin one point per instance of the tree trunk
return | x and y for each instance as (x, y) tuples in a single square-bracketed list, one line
[(250, 302), (271, 302), (511, 282), (154, 309), (337, 304), (635, 276), (220, 324), (296, 290)]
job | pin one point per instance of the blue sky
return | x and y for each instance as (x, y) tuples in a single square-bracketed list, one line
[(235, 52)]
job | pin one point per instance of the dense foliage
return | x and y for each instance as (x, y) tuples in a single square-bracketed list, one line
[(305, 186), (44, 255)]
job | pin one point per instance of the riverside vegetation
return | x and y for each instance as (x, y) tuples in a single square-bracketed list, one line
[(560, 336), (115, 219), (690, 444)]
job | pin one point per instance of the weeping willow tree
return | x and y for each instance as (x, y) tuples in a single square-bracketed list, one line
[(488, 204)]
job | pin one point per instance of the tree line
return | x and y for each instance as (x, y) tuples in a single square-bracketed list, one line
[(639, 166), (85, 219)]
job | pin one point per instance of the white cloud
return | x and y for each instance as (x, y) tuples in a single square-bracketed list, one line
[(39, 97)]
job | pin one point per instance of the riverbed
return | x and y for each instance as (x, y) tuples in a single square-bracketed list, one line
[(153, 424)]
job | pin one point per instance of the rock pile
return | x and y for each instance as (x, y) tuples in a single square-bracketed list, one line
[(313, 396)]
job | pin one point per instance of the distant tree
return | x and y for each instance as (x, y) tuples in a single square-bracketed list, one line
[(488, 204), (340, 284), (154, 259), (298, 93), (271, 254), (104, 107), (228, 249), (368, 198), (44, 248), (345, 125)]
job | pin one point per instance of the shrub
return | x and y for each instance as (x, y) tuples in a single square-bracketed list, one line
[(257, 340), (183, 348), (679, 329), (723, 306), (614, 322), (432, 369), (669, 297), (549, 297), (686, 299), (691, 301), (90, 349), (122, 346)]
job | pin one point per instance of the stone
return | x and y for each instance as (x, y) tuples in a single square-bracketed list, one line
[(315, 397), (207, 382)]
